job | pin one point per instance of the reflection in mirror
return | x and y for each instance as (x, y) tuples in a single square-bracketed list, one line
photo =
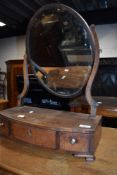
[(66, 80), (59, 40)]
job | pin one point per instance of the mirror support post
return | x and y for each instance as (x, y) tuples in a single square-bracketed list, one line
[(26, 82), (93, 104)]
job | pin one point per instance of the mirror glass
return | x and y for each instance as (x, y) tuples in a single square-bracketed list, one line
[(60, 49)]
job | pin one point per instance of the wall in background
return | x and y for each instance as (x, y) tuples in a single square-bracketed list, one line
[(107, 35), (11, 48), (14, 47)]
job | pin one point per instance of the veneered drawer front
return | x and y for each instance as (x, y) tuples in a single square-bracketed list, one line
[(34, 135), (75, 142), (4, 127)]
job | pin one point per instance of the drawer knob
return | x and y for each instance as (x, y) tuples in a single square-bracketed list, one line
[(29, 132), (73, 141), (1, 124)]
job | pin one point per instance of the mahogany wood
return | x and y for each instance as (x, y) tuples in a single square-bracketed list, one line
[(34, 135), (73, 132), (90, 100), (24, 159), (52, 129)]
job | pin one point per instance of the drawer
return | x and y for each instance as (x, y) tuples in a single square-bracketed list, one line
[(34, 135), (4, 127), (76, 142)]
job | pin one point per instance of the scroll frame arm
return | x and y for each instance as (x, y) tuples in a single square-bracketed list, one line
[(93, 104)]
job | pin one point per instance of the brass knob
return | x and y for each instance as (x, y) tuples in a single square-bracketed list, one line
[(73, 141)]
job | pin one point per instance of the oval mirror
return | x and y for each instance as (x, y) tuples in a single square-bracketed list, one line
[(60, 48)]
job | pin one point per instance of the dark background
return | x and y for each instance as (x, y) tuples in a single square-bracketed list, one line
[(17, 13)]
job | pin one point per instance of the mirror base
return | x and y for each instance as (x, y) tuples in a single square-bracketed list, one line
[(65, 131)]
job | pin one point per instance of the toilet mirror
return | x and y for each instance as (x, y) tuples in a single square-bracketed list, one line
[(60, 48)]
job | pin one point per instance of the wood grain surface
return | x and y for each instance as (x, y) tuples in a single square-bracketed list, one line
[(29, 160), (50, 119)]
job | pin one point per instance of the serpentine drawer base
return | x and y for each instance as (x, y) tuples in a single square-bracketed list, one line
[(68, 131)]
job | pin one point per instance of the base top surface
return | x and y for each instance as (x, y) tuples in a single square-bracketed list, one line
[(52, 119)]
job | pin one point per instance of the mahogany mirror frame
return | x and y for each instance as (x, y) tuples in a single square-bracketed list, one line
[(95, 44)]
